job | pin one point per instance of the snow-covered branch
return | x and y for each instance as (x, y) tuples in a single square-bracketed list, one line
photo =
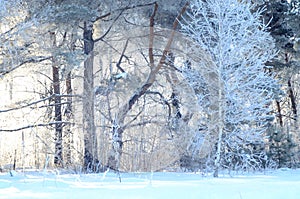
[(239, 45)]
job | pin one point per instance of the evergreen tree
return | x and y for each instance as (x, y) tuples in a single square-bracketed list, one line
[(280, 149)]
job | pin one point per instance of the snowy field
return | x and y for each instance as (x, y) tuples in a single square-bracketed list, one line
[(280, 184)]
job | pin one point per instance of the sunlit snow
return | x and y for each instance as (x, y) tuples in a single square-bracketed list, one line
[(278, 184)]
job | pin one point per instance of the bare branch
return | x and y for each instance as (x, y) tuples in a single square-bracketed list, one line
[(154, 71), (112, 47), (45, 75), (63, 41), (31, 60), (123, 9), (136, 116), (143, 123), (36, 102), (121, 57), (110, 27), (55, 104), (36, 125), (163, 100)]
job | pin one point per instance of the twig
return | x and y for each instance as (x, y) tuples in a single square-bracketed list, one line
[(36, 102), (121, 57), (123, 9), (110, 27), (34, 126), (31, 60)]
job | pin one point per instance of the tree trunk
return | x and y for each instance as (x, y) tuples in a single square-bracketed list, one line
[(69, 117), (58, 159), (90, 141), (118, 125), (279, 113), (219, 128), (293, 99), (117, 145), (69, 111)]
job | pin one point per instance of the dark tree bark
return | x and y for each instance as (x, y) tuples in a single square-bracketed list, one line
[(90, 141), (279, 115), (293, 99), (57, 107), (119, 126)]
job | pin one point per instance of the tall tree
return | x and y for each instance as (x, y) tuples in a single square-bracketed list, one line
[(90, 138), (119, 123), (63, 59), (58, 158), (283, 19), (239, 45), (90, 141), (71, 15)]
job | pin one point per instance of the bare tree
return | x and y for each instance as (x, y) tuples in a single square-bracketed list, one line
[(119, 122)]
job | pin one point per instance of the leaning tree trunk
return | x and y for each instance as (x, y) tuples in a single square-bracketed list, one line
[(58, 159), (119, 125), (90, 141)]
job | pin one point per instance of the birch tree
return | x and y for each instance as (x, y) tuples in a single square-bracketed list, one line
[(240, 46)]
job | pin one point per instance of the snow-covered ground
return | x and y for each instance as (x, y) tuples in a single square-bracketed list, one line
[(280, 184)]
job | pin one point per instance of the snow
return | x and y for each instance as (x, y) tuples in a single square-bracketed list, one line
[(269, 185)]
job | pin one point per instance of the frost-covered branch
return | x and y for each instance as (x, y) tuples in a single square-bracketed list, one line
[(239, 45)]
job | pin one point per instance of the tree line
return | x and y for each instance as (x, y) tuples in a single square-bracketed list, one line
[(212, 86)]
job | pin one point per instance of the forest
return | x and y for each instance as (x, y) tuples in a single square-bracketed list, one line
[(136, 85)]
